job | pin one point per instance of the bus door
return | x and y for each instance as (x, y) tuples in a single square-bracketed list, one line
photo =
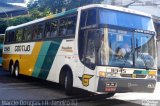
[(88, 56)]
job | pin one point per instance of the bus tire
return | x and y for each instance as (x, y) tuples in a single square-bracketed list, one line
[(16, 69), (11, 68), (110, 94), (68, 83)]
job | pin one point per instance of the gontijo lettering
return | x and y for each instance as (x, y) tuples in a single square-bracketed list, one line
[(21, 48)]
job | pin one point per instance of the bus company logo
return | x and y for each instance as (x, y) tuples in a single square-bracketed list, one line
[(67, 49), (132, 85), (21, 48), (85, 79)]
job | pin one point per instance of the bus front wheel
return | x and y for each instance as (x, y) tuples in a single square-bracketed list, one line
[(68, 83)]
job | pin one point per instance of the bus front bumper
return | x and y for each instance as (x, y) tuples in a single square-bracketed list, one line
[(119, 85)]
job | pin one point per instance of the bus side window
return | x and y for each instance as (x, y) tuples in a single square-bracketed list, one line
[(7, 37), (91, 17), (88, 18), (83, 18), (47, 29), (71, 27), (19, 34), (10, 37), (38, 32), (63, 27), (27, 33), (54, 28)]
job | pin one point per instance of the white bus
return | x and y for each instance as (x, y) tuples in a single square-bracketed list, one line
[(98, 48)]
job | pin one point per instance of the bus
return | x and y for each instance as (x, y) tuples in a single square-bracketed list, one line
[(85, 48), (157, 27), (1, 47)]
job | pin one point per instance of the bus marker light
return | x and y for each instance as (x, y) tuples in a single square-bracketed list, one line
[(152, 72)]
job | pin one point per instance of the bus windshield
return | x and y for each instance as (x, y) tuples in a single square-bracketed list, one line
[(129, 49), (120, 40)]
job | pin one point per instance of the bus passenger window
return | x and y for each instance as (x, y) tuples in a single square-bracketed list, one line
[(47, 30), (54, 28), (19, 34), (27, 34), (71, 27), (38, 32), (63, 27), (10, 36)]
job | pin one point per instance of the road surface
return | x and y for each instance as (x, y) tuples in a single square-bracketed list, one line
[(23, 90)]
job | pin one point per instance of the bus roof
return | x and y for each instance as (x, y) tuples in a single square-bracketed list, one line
[(117, 8), (122, 9)]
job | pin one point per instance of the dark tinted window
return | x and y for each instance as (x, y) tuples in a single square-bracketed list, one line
[(47, 29), (63, 27), (88, 17), (28, 33), (68, 26), (19, 34), (10, 36), (71, 25), (54, 28), (91, 17), (38, 31)]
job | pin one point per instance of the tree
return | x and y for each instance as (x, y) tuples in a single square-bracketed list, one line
[(13, 22), (77, 3), (3, 26), (42, 8)]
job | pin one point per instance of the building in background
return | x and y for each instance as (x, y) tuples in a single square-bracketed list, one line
[(9, 10), (149, 6), (13, 1)]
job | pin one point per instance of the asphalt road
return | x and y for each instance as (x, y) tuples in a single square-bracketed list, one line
[(31, 91)]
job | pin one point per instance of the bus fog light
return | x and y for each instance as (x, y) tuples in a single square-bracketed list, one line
[(102, 74)]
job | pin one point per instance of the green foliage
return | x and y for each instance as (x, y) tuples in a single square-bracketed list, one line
[(4, 23), (77, 3), (19, 20), (40, 8)]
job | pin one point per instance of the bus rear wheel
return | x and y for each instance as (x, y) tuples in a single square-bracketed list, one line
[(11, 69), (68, 83), (16, 70)]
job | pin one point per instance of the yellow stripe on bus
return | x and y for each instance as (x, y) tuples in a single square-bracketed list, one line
[(30, 61), (26, 62)]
